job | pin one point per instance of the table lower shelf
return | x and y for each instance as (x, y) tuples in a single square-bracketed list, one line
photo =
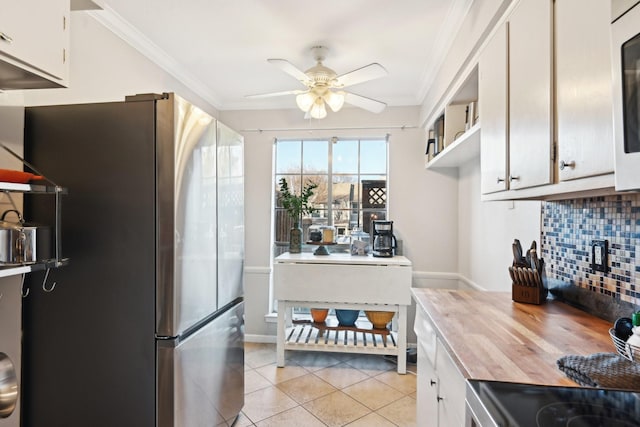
[(306, 336)]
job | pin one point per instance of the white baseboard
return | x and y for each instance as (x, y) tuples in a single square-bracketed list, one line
[(257, 270), (470, 283), (263, 339), (441, 279)]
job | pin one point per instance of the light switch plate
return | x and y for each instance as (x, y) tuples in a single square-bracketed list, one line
[(599, 258)]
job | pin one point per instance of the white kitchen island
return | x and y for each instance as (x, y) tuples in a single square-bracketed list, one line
[(342, 281)]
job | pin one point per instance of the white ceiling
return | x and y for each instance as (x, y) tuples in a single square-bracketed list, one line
[(220, 47)]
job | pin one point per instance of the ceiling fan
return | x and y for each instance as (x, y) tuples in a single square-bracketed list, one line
[(325, 87)]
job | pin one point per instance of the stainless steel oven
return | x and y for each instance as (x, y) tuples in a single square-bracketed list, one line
[(625, 38)]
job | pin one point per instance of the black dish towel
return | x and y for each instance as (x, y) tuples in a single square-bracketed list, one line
[(608, 370)]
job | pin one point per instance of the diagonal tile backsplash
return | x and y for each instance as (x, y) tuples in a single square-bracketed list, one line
[(569, 226)]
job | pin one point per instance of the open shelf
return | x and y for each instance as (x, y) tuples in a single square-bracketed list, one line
[(7, 270), (306, 336), (12, 270), (30, 188), (463, 149)]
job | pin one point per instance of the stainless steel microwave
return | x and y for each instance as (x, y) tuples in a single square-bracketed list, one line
[(625, 36)]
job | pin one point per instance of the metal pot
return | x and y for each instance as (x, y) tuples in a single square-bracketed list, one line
[(8, 386), (23, 243)]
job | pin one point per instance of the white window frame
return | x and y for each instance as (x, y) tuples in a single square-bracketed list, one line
[(330, 175)]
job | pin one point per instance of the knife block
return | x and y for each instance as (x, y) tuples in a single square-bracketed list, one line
[(528, 294), (528, 285)]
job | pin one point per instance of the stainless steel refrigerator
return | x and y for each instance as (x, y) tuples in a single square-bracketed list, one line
[(145, 325)]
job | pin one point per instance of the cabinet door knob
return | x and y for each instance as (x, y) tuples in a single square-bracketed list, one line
[(432, 383), (499, 180), (564, 164), (440, 398), (5, 37), (513, 178)]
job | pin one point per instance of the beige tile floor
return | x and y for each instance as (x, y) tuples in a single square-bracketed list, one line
[(325, 389)]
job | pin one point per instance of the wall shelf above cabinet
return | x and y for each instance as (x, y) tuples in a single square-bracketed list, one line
[(454, 133), (460, 151)]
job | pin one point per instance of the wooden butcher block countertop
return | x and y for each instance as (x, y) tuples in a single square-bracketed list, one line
[(491, 337)]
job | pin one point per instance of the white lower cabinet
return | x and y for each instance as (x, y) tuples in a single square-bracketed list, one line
[(427, 407), (451, 389), (441, 386)]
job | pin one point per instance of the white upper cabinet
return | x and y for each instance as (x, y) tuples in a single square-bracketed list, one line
[(530, 94), (493, 100), (584, 98), (34, 43)]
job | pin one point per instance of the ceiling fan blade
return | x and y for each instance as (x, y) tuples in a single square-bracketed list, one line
[(291, 69), (364, 102), (270, 94), (361, 75)]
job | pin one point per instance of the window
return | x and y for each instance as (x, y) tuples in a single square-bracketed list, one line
[(351, 175)]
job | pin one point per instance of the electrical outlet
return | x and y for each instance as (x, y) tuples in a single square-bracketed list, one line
[(599, 258)]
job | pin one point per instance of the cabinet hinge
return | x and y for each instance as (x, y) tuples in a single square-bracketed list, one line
[(64, 55), (554, 151), (64, 23)]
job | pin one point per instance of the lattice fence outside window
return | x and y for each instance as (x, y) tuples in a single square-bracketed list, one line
[(374, 202)]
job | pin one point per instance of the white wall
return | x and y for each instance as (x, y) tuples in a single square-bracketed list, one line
[(486, 231)]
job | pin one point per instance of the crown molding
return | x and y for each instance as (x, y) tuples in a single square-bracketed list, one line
[(442, 44), (131, 35), (76, 5)]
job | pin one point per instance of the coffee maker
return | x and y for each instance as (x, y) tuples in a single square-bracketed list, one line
[(384, 242)]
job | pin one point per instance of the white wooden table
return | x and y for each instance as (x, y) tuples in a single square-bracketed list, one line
[(348, 282)]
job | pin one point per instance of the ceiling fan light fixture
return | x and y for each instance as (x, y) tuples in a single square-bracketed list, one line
[(324, 87), (335, 100), (305, 101), (318, 110)]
